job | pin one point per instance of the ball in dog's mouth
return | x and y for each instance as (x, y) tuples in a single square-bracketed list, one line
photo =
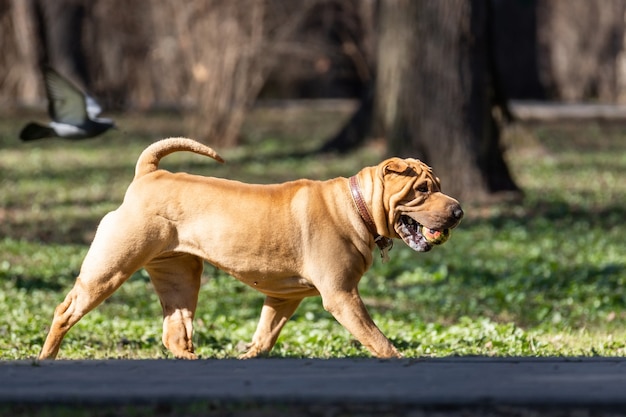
[(419, 237), (436, 237)]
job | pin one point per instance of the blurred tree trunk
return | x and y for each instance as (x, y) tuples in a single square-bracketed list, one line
[(569, 50), (228, 47), (359, 127), (61, 24), (435, 93), (227, 67), (581, 48), (20, 79)]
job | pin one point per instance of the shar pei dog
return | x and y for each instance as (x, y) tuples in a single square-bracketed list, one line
[(289, 241)]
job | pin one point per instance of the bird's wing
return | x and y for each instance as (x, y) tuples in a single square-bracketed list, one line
[(93, 108), (66, 103)]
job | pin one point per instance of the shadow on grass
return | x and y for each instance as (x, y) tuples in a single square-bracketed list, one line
[(557, 213), (75, 229), (31, 282)]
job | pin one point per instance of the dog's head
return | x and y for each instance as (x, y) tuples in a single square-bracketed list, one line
[(407, 201)]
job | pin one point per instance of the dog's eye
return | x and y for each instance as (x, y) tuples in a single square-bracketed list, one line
[(423, 188)]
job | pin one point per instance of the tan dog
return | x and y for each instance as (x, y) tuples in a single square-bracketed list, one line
[(289, 241)]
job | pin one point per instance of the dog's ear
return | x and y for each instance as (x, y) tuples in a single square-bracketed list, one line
[(396, 166)]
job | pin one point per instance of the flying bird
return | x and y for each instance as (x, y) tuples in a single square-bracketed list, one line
[(73, 112)]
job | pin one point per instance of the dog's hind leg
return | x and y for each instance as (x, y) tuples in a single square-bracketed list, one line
[(81, 299), (274, 315), (108, 264), (176, 279)]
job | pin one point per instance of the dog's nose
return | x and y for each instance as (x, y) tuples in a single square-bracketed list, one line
[(457, 212)]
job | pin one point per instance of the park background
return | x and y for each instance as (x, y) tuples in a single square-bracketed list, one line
[(516, 104)]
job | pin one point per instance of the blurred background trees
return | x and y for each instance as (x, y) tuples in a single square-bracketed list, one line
[(436, 80), (433, 78)]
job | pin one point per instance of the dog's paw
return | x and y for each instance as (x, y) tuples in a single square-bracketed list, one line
[(250, 353), (183, 354), (250, 350), (247, 355)]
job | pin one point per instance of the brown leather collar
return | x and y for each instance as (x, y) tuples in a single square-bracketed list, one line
[(384, 243)]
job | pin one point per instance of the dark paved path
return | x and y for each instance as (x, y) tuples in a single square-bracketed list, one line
[(348, 386)]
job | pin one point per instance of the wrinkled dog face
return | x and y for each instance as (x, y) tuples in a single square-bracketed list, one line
[(421, 214)]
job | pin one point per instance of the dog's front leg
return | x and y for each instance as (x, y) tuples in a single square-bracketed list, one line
[(349, 310), (274, 315)]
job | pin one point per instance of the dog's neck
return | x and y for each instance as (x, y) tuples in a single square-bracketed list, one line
[(384, 243)]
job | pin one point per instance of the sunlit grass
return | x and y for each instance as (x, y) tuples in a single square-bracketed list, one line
[(543, 277)]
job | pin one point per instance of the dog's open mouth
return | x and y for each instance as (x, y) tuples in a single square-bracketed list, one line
[(418, 237)]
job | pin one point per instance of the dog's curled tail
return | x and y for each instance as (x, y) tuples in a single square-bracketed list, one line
[(149, 159)]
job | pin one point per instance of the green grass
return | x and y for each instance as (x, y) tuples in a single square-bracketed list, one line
[(542, 277)]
